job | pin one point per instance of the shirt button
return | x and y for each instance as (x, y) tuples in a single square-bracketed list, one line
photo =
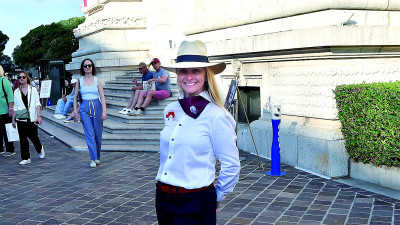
[(180, 124), (165, 173), (169, 157), (172, 139)]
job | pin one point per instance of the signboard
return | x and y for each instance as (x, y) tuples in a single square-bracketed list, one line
[(45, 89), (231, 94)]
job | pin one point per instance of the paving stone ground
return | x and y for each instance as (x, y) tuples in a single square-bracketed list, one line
[(62, 189)]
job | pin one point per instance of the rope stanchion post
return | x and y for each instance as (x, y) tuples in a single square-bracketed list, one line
[(275, 149)]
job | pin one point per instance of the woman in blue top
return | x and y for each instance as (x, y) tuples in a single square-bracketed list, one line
[(92, 110)]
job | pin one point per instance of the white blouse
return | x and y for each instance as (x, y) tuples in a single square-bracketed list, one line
[(33, 101), (189, 149)]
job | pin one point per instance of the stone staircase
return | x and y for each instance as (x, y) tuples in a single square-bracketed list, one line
[(120, 132)]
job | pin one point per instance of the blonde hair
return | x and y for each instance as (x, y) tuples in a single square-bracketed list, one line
[(1, 71), (212, 88)]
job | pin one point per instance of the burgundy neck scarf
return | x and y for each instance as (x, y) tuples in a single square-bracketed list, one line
[(193, 106)]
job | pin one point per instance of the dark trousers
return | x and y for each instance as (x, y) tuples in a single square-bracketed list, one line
[(188, 208), (3, 133), (28, 130)]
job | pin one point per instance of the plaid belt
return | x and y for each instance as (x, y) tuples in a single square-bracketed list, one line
[(174, 189)]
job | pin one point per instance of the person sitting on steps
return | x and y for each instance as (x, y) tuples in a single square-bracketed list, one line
[(66, 101), (163, 88), (146, 75)]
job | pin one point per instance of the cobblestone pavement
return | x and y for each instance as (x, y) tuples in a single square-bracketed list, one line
[(62, 189)]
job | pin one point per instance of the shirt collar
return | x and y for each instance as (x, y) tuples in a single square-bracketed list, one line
[(203, 94)]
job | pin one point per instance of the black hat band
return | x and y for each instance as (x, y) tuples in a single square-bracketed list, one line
[(192, 58)]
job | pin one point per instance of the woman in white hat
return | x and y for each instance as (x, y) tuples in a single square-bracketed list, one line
[(197, 132)]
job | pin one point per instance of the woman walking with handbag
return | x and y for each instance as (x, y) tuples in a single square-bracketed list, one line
[(27, 116), (92, 110)]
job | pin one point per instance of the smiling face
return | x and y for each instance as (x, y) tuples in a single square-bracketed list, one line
[(191, 80)]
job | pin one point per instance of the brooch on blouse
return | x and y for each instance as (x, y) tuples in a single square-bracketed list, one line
[(170, 117)]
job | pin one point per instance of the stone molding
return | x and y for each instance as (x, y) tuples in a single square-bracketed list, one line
[(380, 175), (110, 48), (94, 9), (306, 88), (261, 10), (115, 23)]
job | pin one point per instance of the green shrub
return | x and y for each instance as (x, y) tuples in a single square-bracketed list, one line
[(370, 117)]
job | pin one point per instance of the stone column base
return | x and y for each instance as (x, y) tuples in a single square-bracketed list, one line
[(314, 145)]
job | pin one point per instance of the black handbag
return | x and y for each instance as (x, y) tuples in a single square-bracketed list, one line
[(79, 97)]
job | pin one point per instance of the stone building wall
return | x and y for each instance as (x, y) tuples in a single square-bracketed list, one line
[(295, 51)]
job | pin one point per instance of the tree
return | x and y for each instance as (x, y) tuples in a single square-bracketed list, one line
[(3, 41), (4, 59), (55, 40)]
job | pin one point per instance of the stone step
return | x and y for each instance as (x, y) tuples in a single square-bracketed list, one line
[(109, 126), (129, 76), (124, 97), (128, 89), (142, 120), (108, 138), (112, 114), (120, 132), (78, 143), (129, 83), (153, 110)]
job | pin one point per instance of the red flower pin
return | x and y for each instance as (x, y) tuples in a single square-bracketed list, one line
[(170, 114)]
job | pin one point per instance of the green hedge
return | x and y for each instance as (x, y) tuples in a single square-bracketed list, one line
[(370, 117)]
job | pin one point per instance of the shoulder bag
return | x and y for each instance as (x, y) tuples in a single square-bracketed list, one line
[(24, 113)]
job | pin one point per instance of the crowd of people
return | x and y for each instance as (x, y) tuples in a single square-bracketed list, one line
[(197, 131)]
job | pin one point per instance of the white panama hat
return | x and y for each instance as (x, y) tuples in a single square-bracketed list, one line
[(193, 54)]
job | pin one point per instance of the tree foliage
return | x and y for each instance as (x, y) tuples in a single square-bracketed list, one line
[(55, 40), (4, 59), (3, 41)]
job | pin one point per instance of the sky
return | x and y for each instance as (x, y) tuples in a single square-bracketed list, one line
[(18, 17)]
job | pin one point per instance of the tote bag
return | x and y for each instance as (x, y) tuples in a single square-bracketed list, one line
[(12, 133)]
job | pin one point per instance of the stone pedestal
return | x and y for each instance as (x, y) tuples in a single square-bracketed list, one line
[(114, 36)]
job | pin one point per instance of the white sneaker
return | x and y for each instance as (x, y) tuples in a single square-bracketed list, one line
[(139, 112), (25, 161), (97, 161), (92, 164), (61, 117), (126, 111), (132, 112), (56, 115), (123, 110), (41, 154)]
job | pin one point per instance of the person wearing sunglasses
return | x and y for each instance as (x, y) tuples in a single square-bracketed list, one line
[(26, 98), (161, 78), (92, 110), (6, 112), (146, 75)]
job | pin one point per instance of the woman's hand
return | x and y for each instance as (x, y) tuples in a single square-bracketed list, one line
[(39, 120), (104, 116), (76, 116), (14, 124)]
